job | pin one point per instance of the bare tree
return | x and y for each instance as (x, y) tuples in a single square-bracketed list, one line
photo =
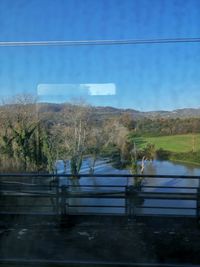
[(75, 134), (96, 142), (117, 134)]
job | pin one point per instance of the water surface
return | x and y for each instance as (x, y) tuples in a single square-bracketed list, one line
[(97, 184)]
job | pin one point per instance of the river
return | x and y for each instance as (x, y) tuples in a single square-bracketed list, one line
[(154, 168)]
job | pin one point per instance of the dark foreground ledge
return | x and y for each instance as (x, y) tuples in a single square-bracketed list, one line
[(99, 241), (66, 263)]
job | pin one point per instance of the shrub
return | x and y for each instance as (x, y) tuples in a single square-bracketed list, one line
[(162, 154)]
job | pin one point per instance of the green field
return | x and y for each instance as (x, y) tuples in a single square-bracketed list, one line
[(173, 143)]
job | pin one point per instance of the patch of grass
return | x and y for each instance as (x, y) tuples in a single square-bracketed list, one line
[(173, 143)]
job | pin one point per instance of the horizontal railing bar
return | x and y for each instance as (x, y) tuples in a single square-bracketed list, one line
[(18, 185), (3, 175), (138, 215), (93, 193), (117, 186), (99, 206), (95, 206), (68, 193), (26, 206), (167, 193), (145, 198), (123, 197), (155, 195), (169, 196), (97, 193), (37, 190), (10, 184), (29, 195), (170, 187), (27, 191), (42, 213), (164, 207), (124, 186), (40, 191), (138, 207), (140, 194), (71, 196), (174, 198)]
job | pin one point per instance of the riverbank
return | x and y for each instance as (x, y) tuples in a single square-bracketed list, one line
[(183, 148), (195, 164), (189, 157), (182, 143), (103, 239)]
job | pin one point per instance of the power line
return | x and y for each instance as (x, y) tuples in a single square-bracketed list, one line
[(99, 42)]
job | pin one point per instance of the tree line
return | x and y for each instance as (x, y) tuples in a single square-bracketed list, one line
[(166, 126), (32, 140)]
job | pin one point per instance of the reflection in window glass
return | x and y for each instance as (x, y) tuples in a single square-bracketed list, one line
[(99, 99)]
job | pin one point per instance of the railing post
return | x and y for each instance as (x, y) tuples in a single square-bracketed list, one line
[(198, 204), (57, 195), (63, 204), (130, 195)]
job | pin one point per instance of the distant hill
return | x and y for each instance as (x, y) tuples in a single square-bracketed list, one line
[(178, 113), (104, 112)]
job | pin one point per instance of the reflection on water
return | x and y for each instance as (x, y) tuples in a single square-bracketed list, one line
[(97, 184)]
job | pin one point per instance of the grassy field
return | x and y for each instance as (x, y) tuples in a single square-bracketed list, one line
[(174, 143)]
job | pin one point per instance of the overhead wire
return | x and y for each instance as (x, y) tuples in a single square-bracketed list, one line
[(99, 42)]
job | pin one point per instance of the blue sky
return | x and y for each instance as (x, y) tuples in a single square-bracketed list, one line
[(146, 77)]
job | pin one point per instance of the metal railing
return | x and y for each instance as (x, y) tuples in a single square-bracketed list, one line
[(45, 194)]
